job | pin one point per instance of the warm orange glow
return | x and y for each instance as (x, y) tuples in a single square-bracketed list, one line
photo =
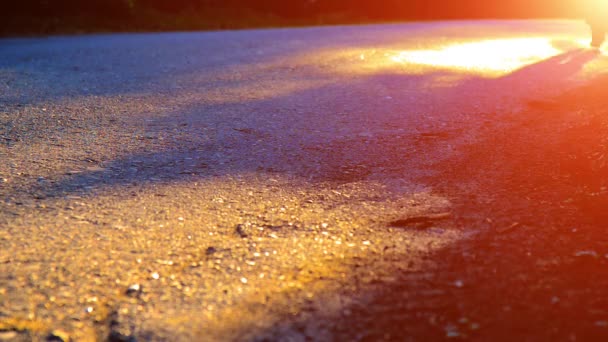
[(498, 57), (597, 6)]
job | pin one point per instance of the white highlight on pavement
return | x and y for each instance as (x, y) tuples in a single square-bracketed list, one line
[(497, 56)]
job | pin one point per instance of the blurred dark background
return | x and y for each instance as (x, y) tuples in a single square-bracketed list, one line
[(22, 17)]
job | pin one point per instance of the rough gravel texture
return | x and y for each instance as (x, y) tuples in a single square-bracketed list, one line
[(301, 185)]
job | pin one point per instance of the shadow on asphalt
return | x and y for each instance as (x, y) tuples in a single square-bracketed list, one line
[(301, 140), (536, 270)]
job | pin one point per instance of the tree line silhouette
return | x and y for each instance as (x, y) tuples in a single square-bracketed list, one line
[(49, 16)]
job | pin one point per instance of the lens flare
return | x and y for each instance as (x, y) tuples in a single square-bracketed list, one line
[(500, 56)]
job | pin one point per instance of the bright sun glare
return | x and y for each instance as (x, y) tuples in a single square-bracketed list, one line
[(497, 57)]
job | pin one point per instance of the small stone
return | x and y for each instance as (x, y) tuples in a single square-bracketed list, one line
[(241, 230), (459, 283), (244, 280), (509, 228), (165, 262), (58, 335), (586, 253), (134, 290), (117, 336), (210, 250), (155, 276), (451, 332), (602, 324)]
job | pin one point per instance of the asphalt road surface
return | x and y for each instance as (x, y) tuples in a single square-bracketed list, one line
[(417, 182)]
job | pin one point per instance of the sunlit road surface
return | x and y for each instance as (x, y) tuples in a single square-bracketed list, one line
[(218, 186)]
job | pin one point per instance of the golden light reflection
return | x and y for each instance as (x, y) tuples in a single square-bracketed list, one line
[(495, 57)]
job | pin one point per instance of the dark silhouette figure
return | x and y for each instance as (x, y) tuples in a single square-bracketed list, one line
[(598, 35), (597, 18)]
